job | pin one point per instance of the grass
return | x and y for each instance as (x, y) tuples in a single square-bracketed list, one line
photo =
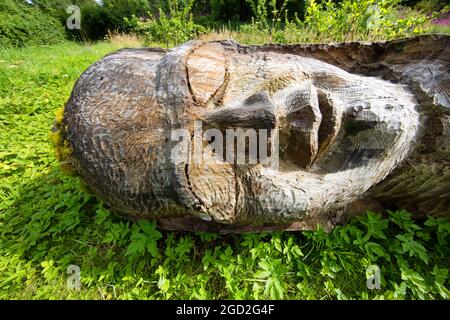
[(47, 223)]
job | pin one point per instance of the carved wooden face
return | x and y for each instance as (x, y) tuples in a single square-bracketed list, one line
[(338, 133)]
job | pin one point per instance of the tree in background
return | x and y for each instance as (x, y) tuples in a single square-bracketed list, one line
[(93, 22), (226, 10), (115, 12), (96, 19)]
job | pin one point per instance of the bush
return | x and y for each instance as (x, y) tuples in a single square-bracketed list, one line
[(22, 24), (361, 20), (96, 20), (116, 10), (172, 27)]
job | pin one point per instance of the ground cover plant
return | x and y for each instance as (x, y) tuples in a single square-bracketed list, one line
[(48, 222)]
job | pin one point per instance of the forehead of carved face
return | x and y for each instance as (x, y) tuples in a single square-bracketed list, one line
[(333, 134), (338, 133)]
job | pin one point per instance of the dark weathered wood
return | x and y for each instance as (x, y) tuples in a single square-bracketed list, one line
[(360, 125)]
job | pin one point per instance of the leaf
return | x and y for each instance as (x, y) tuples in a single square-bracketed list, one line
[(399, 290), (343, 234), (184, 246), (262, 274), (277, 244), (413, 247), (164, 284), (296, 251), (277, 289), (442, 224), (274, 288), (372, 247), (360, 239), (137, 245), (152, 247), (149, 227), (440, 274), (375, 225), (403, 219), (208, 259), (264, 265), (415, 281), (101, 215)]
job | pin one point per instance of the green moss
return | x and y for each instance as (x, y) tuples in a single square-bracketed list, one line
[(59, 116), (62, 147)]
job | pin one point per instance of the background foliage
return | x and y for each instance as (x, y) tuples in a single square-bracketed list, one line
[(175, 21), (22, 25)]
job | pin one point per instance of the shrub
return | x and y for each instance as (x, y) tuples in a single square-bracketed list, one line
[(267, 13), (172, 27), (361, 19), (96, 19), (116, 10), (22, 24), (243, 10), (223, 10)]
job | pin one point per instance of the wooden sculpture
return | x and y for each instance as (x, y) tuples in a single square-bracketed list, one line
[(345, 127)]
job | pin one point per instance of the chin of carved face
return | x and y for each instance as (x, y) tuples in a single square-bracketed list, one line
[(336, 134)]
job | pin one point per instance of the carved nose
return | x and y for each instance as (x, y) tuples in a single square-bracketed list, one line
[(299, 127), (309, 126), (256, 112)]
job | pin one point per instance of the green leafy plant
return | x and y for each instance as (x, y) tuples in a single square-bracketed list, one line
[(144, 237), (361, 19), (267, 14), (172, 27)]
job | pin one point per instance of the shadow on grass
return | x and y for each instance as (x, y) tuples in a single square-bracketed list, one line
[(54, 223)]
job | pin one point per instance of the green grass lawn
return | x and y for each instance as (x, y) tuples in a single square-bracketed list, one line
[(47, 222)]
